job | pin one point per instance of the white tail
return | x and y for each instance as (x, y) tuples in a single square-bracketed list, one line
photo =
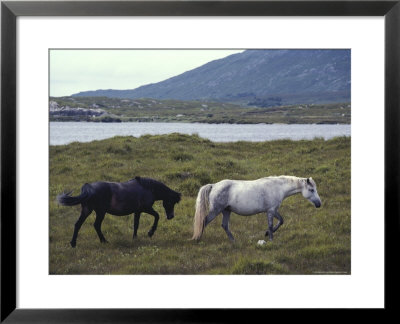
[(201, 211)]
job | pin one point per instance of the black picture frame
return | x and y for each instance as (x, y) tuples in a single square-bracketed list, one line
[(10, 10)]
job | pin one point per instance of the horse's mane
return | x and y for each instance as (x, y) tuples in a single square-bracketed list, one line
[(285, 177), (158, 187)]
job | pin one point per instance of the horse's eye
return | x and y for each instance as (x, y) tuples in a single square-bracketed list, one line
[(311, 190)]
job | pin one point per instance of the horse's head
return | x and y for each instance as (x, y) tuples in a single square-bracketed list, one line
[(309, 192), (169, 204)]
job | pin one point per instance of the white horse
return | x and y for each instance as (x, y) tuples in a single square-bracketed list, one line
[(248, 198)]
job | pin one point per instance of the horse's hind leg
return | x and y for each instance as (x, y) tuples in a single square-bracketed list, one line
[(280, 222), (226, 214), (97, 225), (85, 212), (210, 217)]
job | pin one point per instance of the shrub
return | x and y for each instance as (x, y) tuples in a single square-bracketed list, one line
[(244, 266)]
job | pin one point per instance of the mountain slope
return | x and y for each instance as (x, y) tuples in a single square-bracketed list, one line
[(256, 77)]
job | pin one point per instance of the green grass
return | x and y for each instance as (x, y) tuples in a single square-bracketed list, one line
[(310, 241), (152, 110)]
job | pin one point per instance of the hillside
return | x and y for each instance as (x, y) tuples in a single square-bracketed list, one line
[(260, 78)]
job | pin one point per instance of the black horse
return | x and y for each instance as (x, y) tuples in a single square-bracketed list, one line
[(134, 196)]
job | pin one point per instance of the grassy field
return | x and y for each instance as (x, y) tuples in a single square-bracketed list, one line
[(311, 241), (145, 110)]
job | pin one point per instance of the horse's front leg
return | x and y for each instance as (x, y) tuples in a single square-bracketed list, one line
[(135, 224), (280, 222), (270, 217), (153, 228)]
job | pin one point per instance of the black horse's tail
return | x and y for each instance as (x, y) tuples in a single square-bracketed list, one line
[(65, 199)]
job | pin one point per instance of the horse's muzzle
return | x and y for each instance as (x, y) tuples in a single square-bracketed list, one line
[(170, 216), (317, 204)]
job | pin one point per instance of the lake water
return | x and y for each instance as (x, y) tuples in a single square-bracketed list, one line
[(67, 132)]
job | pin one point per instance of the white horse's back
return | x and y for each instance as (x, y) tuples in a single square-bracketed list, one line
[(248, 197)]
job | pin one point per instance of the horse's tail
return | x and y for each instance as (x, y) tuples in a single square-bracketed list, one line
[(202, 204), (66, 200)]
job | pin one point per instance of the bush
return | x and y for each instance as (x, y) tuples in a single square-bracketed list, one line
[(244, 266)]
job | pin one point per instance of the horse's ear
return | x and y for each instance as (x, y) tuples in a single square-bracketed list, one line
[(308, 181)]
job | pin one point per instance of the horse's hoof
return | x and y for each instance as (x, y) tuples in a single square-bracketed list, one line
[(266, 233), (150, 233), (134, 236), (104, 241), (73, 244)]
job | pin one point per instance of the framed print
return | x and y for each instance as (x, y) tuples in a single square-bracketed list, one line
[(46, 275)]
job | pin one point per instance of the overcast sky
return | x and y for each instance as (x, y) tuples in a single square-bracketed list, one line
[(72, 71)]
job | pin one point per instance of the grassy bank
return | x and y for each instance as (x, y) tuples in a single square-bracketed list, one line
[(311, 240), (151, 110)]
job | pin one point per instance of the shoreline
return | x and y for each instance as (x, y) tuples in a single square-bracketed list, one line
[(192, 122), (196, 135)]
